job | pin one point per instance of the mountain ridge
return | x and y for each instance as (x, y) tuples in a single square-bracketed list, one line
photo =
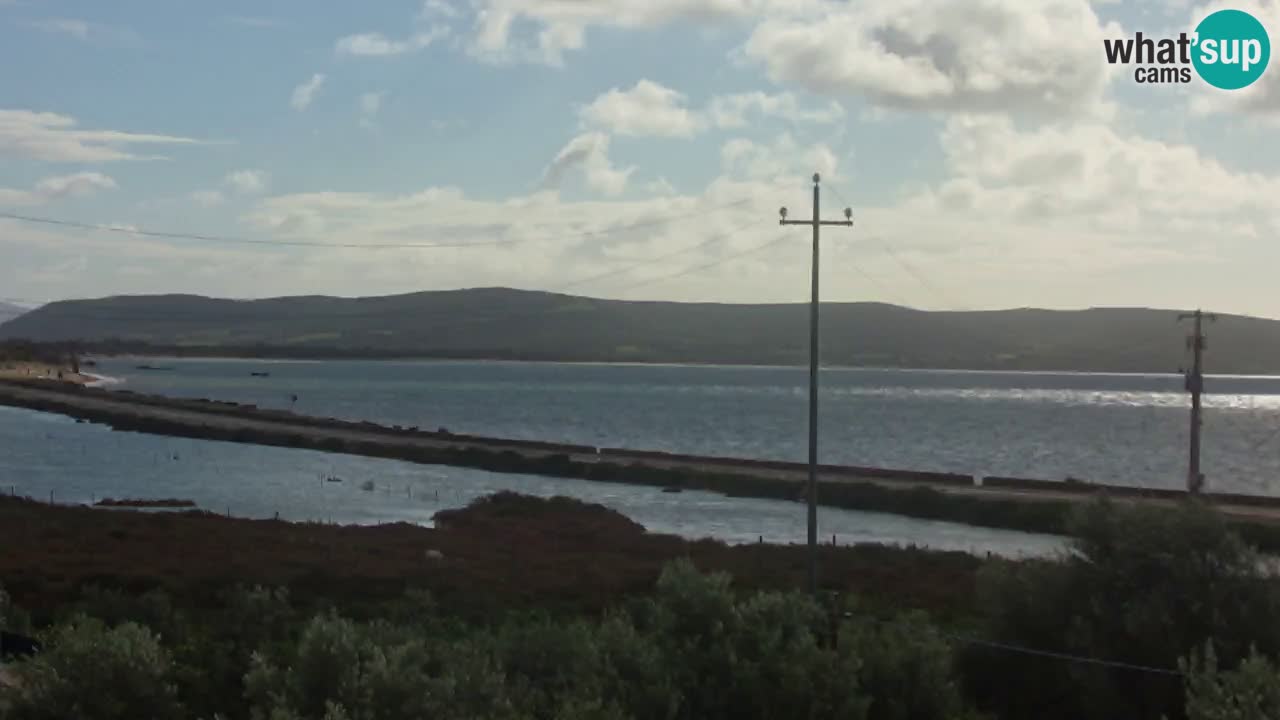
[(504, 323)]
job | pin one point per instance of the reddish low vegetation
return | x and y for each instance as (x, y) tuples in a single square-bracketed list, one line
[(506, 551)]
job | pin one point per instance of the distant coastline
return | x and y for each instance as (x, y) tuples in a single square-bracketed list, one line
[(505, 325), (210, 353)]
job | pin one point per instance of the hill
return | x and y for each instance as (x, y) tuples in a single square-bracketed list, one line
[(9, 312), (498, 323)]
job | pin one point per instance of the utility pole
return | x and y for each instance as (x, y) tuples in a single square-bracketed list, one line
[(1195, 385), (817, 223)]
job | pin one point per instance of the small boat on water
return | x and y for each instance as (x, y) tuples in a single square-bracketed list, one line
[(261, 374)]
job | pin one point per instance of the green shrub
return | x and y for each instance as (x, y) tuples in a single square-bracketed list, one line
[(1142, 585), (91, 672), (1250, 692)]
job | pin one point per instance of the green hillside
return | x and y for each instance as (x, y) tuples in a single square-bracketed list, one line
[(515, 324)]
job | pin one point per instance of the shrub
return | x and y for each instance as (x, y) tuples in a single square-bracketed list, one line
[(90, 672), (1143, 585), (1250, 692)]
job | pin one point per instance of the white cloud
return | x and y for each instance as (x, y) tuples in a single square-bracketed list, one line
[(590, 152), (84, 30), (646, 109), (208, 198), (247, 182), (785, 157), (649, 109), (370, 105), (660, 187), (1090, 176), (55, 138), (305, 93), (991, 56), (67, 26), (731, 111), (379, 45), (80, 184), (542, 30), (440, 8)]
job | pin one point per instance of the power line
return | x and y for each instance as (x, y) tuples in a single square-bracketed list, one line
[(240, 241), (370, 246), (650, 261), (908, 267), (229, 313), (1115, 664), (720, 261)]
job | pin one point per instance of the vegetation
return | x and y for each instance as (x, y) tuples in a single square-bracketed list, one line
[(1154, 614), (511, 324)]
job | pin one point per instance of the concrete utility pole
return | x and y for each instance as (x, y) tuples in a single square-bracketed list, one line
[(1195, 385), (817, 223)]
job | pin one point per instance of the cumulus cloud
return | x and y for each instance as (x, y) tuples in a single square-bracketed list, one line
[(379, 45), (56, 138), (439, 8), (590, 152), (543, 30), (646, 109), (305, 93), (208, 198), (247, 182), (79, 184), (773, 162), (957, 55), (733, 111), (1090, 175), (650, 109)]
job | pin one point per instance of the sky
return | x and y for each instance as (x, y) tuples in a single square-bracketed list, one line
[(634, 149)]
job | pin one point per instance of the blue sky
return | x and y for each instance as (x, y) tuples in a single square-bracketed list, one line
[(992, 158)]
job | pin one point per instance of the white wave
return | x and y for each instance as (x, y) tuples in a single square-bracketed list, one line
[(101, 380)]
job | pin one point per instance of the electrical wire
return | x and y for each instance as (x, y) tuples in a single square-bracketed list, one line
[(705, 266), (368, 246)]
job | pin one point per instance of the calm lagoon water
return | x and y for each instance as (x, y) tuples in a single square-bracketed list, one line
[(50, 456), (1128, 429)]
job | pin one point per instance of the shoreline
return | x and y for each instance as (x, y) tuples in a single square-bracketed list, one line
[(35, 371), (168, 355)]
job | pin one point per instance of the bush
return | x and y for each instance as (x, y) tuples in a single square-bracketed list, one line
[(1142, 585), (908, 669), (90, 672), (1250, 692)]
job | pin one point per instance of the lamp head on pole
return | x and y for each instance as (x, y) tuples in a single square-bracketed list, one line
[(816, 178), (783, 213), (848, 213)]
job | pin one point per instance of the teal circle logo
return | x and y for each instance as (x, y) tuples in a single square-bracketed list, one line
[(1232, 49)]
